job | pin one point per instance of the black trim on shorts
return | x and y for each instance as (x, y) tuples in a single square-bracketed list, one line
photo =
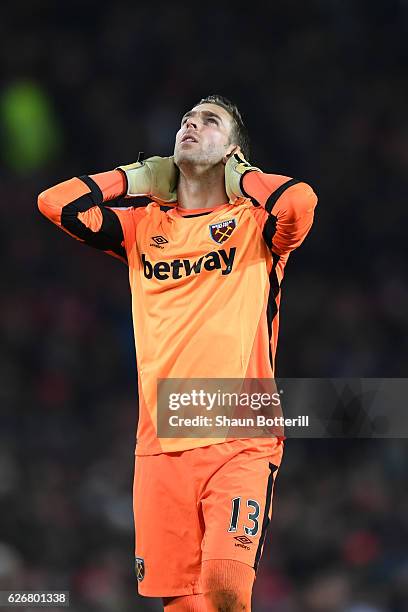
[(266, 519)]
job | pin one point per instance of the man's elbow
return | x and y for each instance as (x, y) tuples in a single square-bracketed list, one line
[(302, 201), (48, 207), (41, 201)]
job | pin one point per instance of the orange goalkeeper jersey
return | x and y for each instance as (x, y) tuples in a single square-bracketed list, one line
[(205, 283)]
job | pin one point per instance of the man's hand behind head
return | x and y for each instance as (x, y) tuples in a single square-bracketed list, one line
[(155, 177), (235, 167)]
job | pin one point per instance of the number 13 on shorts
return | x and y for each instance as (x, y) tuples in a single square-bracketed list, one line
[(236, 526), (253, 516)]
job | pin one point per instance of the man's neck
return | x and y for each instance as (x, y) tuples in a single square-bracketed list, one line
[(201, 190)]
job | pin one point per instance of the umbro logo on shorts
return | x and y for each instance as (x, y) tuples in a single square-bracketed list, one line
[(243, 542), (139, 568)]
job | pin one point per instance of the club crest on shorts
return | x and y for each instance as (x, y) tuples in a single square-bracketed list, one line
[(220, 232), (139, 568)]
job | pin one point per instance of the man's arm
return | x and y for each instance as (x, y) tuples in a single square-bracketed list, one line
[(77, 207), (284, 206), (289, 205)]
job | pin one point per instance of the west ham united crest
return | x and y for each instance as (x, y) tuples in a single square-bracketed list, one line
[(220, 232), (139, 568)]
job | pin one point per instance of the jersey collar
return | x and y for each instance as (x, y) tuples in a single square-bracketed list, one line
[(178, 211)]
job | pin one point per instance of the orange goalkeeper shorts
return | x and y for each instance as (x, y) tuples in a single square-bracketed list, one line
[(213, 502)]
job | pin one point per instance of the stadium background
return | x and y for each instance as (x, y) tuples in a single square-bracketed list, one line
[(86, 86)]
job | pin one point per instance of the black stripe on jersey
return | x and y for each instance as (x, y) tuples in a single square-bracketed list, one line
[(272, 308), (245, 193), (266, 519), (110, 235), (125, 177), (269, 230), (96, 193), (254, 202), (273, 198)]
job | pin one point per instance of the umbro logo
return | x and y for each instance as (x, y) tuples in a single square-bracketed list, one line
[(243, 542), (159, 239), (158, 242)]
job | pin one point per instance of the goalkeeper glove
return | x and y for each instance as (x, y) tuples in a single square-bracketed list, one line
[(155, 177), (235, 169)]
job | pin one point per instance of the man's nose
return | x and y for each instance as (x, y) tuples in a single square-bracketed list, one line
[(191, 123)]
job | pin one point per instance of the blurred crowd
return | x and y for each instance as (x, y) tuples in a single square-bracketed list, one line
[(87, 86)]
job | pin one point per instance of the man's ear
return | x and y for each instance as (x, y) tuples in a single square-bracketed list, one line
[(231, 149)]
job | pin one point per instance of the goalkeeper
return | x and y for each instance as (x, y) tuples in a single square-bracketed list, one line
[(206, 259)]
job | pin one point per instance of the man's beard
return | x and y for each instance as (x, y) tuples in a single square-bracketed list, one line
[(195, 158)]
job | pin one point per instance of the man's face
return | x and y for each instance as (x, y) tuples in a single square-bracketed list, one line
[(204, 136)]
